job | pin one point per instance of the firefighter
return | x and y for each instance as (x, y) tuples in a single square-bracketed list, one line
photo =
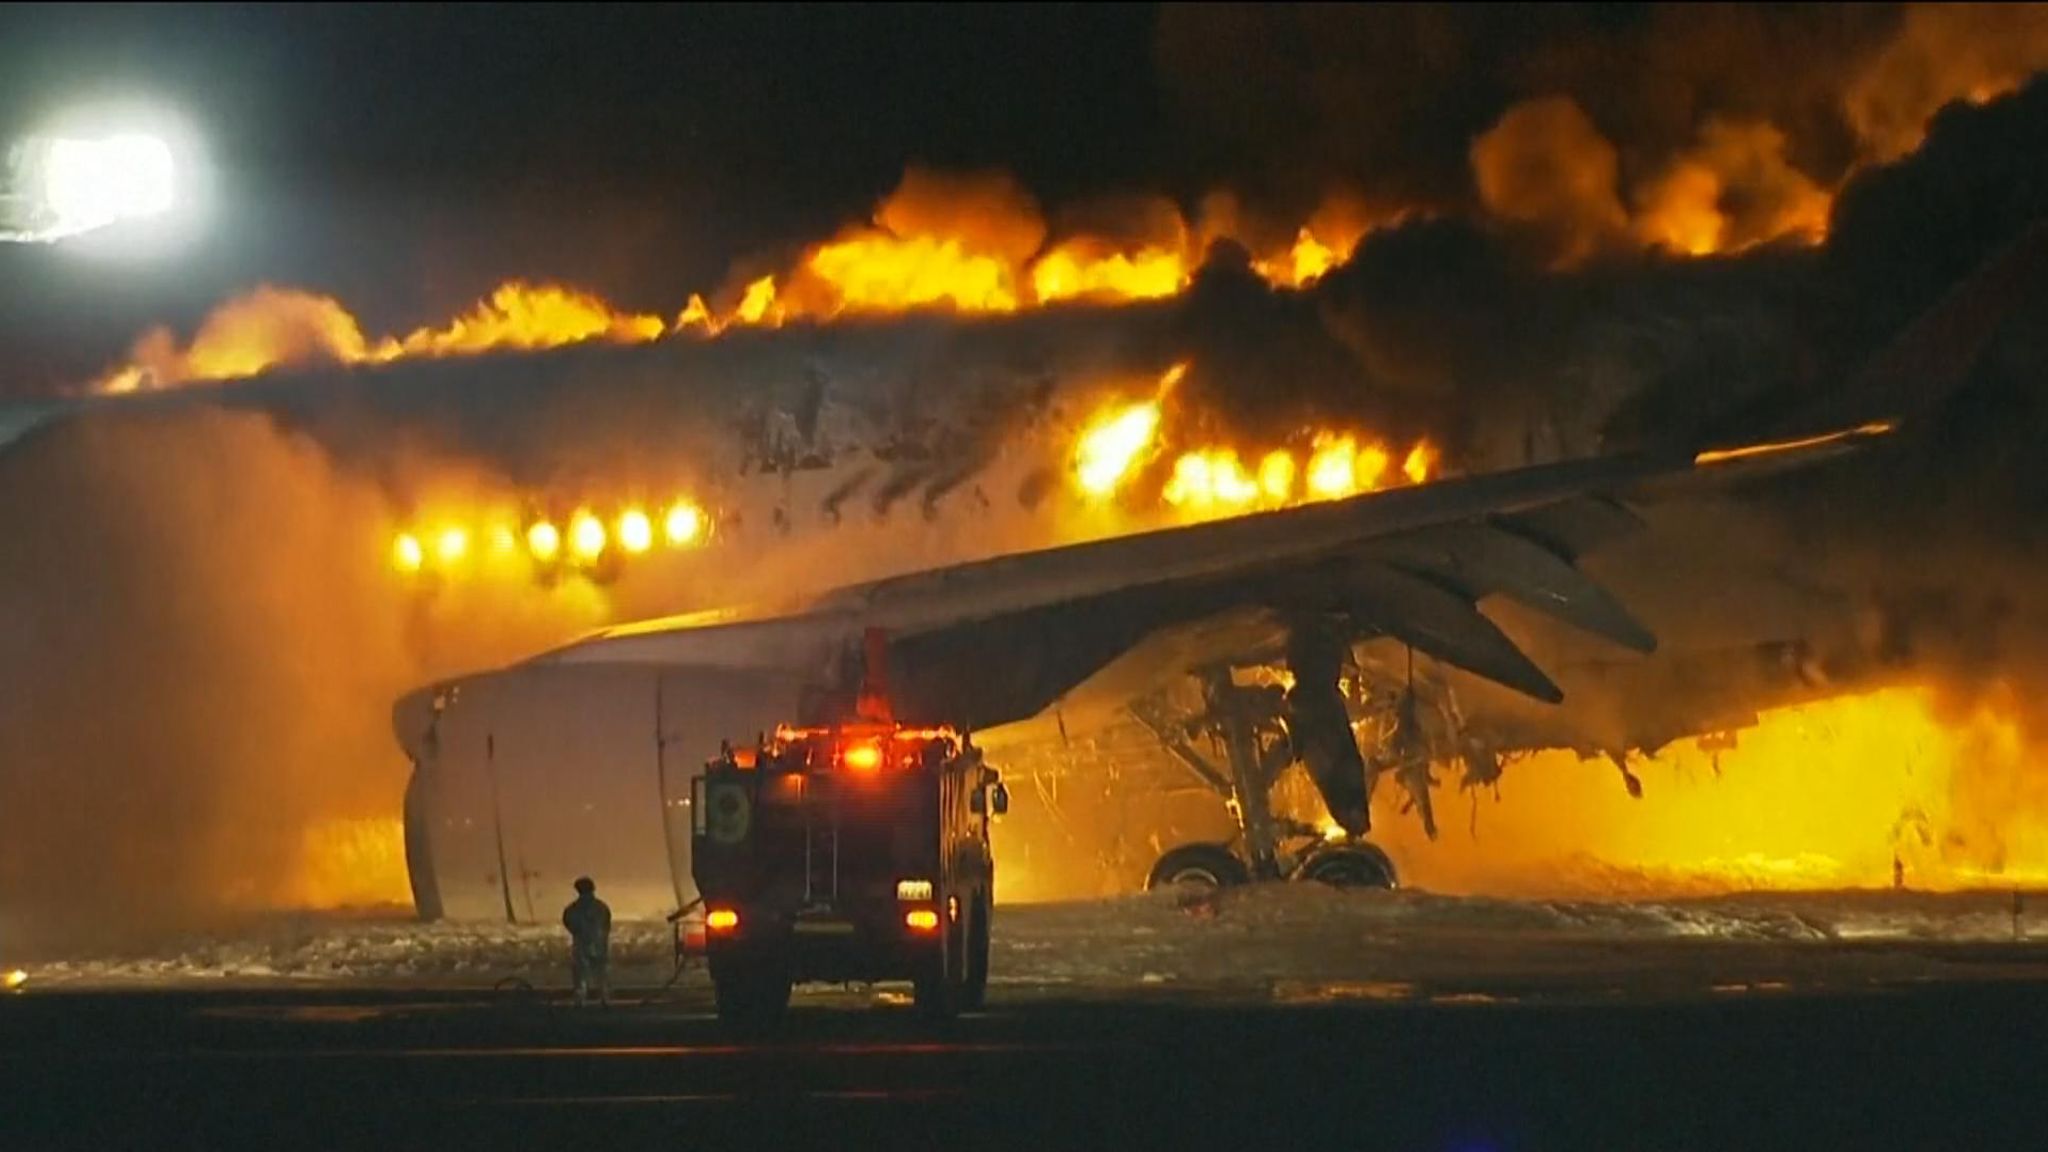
[(589, 921)]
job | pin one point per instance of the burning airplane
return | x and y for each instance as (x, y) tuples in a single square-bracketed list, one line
[(955, 377), (1161, 627)]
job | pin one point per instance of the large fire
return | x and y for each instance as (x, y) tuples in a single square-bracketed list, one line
[(1864, 790), (1210, 481), (965, 246), (352, 863), (460, 538), (979, 243), (281, 326)]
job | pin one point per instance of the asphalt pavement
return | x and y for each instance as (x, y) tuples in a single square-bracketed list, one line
[(1942, 1065)]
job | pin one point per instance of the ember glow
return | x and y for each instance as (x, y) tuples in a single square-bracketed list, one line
[(1823, 795)]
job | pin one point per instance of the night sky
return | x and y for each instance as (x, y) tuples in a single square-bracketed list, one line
[(405, 159)]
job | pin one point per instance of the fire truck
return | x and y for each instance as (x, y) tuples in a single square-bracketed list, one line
[(852, 853)]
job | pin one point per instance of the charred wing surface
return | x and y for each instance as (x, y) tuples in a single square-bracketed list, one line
[(1422, 587), (1500, 556), (1440, 622), (1242, 551), (1002, 640)]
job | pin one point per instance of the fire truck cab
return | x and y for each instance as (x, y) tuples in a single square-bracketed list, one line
[(855, 853)]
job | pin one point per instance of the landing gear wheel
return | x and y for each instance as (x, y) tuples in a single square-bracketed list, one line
[(751, 1000), (974, 994), (1350, 866), (1198, 866)]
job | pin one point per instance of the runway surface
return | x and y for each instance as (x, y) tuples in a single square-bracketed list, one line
[(1279, 1019), (1957, 1063)]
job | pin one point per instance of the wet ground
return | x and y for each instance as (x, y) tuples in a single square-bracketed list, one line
[(1924, 1065), (1875, 1021)]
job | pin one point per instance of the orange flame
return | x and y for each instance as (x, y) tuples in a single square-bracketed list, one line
[(1546, 165), (352, 863), (524, 316), (249, 334), (1215, 480), (1118, 440), (1941, 54), (1836, 793), (1209, 482), (281, 327), (978, 244), (1081, 270), (881, 273), (963, 244), (1733, 190)]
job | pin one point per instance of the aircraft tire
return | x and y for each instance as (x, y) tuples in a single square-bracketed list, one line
[(1198, 865), (1350, 866)]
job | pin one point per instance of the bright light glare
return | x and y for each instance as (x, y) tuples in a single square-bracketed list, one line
[(586, 536), (683, 523), (453, 545), (89, 184), (863, 757), (406, 553), (721, 920), (636, 534), (544, 540)]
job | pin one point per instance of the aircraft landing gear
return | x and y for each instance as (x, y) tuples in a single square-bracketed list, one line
[(1358, 865), (1198, 866), (1250, 722)]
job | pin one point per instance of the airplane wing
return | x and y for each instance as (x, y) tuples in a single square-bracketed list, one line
[(1000, 640)]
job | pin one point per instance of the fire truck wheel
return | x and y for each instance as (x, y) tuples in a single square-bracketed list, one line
[(751, 999), (939, 991), (975, 994), (1198, 865)]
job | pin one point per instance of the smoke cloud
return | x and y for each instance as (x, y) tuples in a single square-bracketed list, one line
[(198, 634), (1545, 164)]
